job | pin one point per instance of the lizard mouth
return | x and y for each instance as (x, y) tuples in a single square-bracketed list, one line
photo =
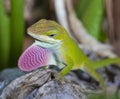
[(44, 39)]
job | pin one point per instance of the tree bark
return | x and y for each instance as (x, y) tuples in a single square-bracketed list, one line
[(40, 84)]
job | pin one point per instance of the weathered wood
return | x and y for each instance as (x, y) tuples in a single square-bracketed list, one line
[(40, 84)]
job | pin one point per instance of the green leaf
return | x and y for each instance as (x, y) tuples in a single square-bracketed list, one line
[(81, 6), (17, 30), (92, 15), (4, 37)]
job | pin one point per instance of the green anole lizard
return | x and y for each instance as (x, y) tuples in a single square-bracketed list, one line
[(50, 35)]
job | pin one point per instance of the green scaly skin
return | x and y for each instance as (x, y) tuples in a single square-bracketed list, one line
[(51, 35)]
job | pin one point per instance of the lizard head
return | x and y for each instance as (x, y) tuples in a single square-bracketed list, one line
[(47, 32)]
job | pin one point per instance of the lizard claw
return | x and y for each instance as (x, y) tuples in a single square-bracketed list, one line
[(59, 77)]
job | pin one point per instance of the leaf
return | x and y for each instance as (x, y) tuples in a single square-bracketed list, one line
[(4, 37), (81, 6), (92, 16), (17, 30)]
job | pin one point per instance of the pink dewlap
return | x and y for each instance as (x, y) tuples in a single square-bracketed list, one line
[(33, 58)]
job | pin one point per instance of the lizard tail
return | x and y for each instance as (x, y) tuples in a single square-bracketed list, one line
[(101, 63)]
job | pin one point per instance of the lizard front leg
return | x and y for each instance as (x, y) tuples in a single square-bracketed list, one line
[(66, 70)]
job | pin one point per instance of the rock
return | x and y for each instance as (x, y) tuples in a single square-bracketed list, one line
[(41, 84), (10, 74), (7, 75)]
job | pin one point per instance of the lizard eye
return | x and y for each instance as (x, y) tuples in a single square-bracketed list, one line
[(52, 35)]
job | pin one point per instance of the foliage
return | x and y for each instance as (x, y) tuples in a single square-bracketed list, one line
[(11, 33), (90, 12)]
